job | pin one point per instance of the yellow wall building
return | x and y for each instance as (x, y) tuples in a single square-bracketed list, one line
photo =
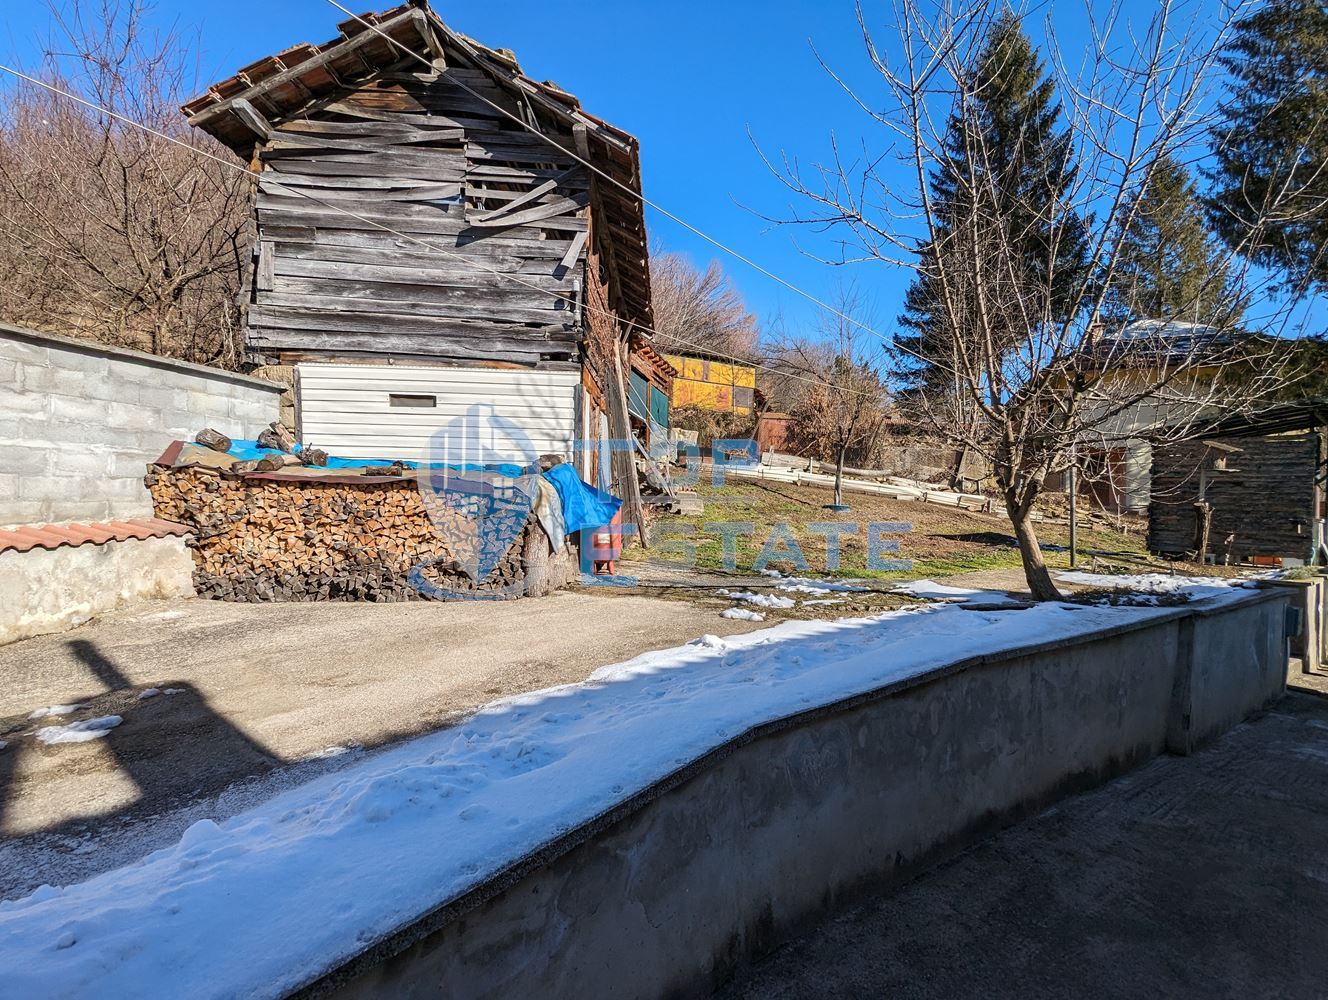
[(712, 384)]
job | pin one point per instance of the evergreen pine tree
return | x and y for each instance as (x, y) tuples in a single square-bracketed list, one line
[(1023, 177), (1275, 139), (1168, 266)]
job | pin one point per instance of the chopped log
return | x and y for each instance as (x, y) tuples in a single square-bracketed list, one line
[(277, 437), (213, 439)]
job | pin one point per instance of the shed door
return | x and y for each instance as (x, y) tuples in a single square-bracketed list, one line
[(392, 411)]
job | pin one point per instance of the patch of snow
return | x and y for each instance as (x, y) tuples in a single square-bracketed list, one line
[(930, 590), (147, 693), (776, 574), (50, 710), (1195, 587), (3, 744), (807, 585), (742, 614), (173, 691), (760, 600), (79, 732), (319, 867)]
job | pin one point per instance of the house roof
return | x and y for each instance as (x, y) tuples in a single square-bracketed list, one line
[(1294, 415), (301, 79)]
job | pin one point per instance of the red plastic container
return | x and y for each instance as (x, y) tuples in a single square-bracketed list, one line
[(602, 546)]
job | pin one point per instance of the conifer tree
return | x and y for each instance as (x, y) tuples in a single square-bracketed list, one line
[(1169, 266), (1272, 145), (1020, 186)]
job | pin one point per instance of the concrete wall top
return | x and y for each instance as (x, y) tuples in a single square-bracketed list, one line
[(137, 357)]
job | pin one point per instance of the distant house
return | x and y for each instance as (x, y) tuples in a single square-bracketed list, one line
[(711, 382), (430, 237), (1259, 481), (1117, 462)]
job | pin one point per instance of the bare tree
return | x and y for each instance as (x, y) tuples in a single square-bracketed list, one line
[(1033, 370), (107, 232), (833, 385), (697, 309)]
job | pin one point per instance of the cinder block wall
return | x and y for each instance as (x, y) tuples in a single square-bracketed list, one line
[(79, 422)]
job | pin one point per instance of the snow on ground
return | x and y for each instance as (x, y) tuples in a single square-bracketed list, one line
[(147, 693), (1157, 584), (808, 585), (49, 710), (742, 614), (79, 732), (310, 877), (760, 600), (930, 590)]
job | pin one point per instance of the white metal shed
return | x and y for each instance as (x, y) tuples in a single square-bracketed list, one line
[(393, 411)]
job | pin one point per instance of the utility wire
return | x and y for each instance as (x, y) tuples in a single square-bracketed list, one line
[(637, 195), (470, 261)]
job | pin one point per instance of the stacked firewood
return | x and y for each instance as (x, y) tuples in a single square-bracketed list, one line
[(298, 539)]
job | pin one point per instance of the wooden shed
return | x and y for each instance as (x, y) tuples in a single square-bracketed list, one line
[(1259, 481), (423, 211)]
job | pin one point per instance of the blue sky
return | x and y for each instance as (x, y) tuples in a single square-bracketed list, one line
[(691, 80)]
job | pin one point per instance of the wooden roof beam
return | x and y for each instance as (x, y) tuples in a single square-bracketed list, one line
[(351, 45)]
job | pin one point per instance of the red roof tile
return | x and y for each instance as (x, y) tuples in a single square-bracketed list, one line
[(53, 536)]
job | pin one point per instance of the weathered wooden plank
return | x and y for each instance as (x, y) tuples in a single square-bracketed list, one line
[(575, 179), (500, 308), (461, 348), (513, 337), (463, 274), (573, 252), (449, 141), (350, 167), (536, 213), (368, 162), (369, 185), (498, 243), (519, 199), (399, 216), (412, 254), (513, 154), (414, 192), (264, 273)]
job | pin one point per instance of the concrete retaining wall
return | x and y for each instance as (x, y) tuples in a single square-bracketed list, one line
[(45, 591), (79, 422), (674, 890)]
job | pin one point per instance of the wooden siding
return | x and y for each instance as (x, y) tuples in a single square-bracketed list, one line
[(415, 153), (1269, 504)]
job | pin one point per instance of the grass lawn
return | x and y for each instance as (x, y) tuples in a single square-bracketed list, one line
[(944, 541)]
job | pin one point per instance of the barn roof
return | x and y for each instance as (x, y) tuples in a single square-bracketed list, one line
[(300, 79)]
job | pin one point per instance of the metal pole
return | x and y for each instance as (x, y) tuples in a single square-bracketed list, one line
[(1074, 527)]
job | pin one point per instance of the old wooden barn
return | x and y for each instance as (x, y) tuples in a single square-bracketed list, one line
[(436, 230), (1259, 480)]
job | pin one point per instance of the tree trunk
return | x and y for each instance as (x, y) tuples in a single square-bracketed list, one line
[(1035, 570), (839, 477)]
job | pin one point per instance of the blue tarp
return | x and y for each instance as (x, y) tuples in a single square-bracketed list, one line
[(583, 505), (245, 450)]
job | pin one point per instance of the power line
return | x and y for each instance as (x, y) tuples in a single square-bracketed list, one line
[(470, 261), (613, 180)]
